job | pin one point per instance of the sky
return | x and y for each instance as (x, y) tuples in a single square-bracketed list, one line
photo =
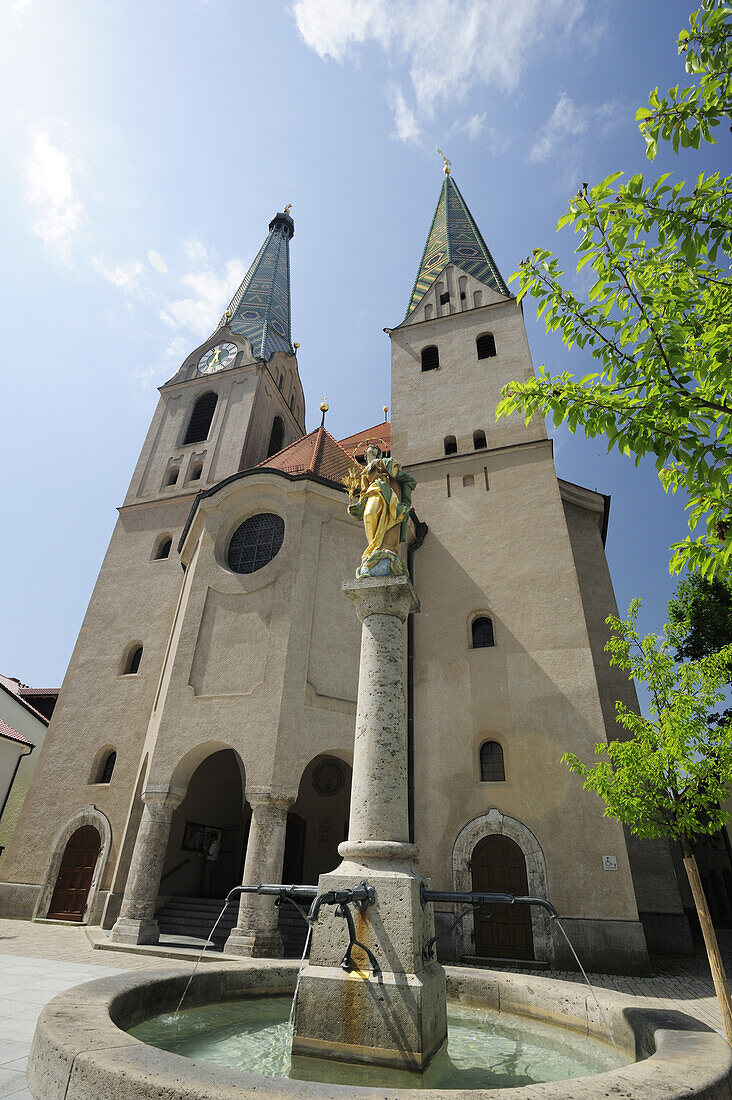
[(147, 144)]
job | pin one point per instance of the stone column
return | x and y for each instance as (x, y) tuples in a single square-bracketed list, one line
[(136, 922), (256, 933), (397, 1017)]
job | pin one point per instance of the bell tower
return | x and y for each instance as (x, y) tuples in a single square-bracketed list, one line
[(507, 657)]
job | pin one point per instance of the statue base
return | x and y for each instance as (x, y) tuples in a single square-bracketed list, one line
[(382, 563)]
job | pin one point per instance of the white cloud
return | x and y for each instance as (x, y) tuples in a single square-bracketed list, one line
[(208, 290), (474, 126), (157, 261), (129, 276), (59, 214), (567, 123), (18, 8), (405, 121), (450, 47)]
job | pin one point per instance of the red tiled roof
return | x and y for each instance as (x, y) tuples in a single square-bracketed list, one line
[(25, 690), (10, 734), (316, 453), (12, 686), (379, 432)]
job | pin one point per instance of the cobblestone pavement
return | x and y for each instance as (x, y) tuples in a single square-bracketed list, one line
[(37, 961)]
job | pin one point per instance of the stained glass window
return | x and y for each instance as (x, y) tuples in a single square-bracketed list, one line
[(255, 542)]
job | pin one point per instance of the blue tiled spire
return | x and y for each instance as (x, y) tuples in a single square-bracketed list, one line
[(260, 309), (454, 238)]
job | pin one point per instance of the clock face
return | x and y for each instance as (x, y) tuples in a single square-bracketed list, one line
[(217, 358)]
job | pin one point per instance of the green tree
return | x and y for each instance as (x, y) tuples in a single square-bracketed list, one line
[(658, 317), (700, 616), (672, 773)]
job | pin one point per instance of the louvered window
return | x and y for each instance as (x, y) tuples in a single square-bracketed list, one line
[(200, 423), (486, 345), (430, 358)]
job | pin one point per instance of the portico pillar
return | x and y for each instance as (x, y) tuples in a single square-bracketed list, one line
[(256, 933), (136, 922)]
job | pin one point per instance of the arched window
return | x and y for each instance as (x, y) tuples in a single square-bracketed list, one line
[(491, 763), (428, 311), (199, 424), (482, 632), (132, 664), (479, 441), (430, 358), (196, 471), (162, 547), (276, 437), (486, 345), (105, 774), (282, 378), (450, 445), (173, 475)]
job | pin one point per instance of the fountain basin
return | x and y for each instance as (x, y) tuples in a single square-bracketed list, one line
[(82, 1050)]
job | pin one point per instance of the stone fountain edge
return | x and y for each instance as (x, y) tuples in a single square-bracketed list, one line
[(81, 1050)]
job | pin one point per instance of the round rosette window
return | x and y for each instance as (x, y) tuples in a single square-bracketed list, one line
[(255, 542)]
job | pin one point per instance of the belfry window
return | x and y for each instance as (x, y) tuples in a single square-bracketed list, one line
[(491, 763), (172, 475), (202, 414), (482, 632), (430, 358), (162, 548), (486, 345), (450, 445), (479, 442), (196, 471), (105, 775), (132, 664), (276, 436)]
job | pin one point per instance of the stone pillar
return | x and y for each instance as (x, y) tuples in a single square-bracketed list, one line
[(256, 932), (136, 922), (397, 1017)]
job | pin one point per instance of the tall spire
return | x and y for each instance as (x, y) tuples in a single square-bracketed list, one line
[(454, 238), (260, 309)]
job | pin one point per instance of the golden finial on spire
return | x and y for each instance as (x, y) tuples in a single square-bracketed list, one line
[(386, 412), (323, 408), (288, 208), (447, 162), (296, 345)]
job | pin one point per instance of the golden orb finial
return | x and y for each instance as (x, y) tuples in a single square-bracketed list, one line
[(296, 345), (288, 208), (447, 162), (386, 412), (323, 409)]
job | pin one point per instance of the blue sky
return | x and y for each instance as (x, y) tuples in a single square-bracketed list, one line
[(146, 147)]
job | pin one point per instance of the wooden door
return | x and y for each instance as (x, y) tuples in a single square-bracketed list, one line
[(498, 865), (75, 875)]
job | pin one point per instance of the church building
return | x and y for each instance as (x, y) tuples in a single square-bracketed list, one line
[(203, 736)]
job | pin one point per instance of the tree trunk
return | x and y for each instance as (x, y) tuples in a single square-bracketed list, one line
[(710, 942)]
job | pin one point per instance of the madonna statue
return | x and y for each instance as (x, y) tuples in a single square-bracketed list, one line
[(384, 499)]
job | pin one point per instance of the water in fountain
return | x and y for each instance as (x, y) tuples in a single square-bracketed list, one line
[(485, 1049), (218, 920), (603, 1017)]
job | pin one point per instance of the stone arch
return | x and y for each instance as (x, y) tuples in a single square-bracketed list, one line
[(496, 822), (90, 816), (317, 820)]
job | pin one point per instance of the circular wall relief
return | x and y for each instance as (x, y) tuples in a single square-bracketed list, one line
[(255, 542), (328, 777)]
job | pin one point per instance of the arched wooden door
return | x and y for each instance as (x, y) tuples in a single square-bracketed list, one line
[(498, 865), (75, 874)]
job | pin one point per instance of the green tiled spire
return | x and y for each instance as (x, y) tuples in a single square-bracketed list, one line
[(454, 238), (260, 309)]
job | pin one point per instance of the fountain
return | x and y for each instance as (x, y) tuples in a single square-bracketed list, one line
[(376, 1013)]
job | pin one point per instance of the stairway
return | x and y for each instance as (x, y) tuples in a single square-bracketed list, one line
[(195, 917)]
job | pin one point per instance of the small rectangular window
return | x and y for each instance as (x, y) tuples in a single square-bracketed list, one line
[(445, 298)]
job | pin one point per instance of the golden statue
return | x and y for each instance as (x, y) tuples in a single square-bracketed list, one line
[(384, 498)]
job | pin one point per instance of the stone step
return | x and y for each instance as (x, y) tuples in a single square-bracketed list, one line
[(191, 916)]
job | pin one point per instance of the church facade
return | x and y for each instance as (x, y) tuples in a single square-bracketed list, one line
[(204, 731)]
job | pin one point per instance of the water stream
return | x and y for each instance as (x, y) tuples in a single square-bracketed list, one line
[(603, 1017), (203, 949)]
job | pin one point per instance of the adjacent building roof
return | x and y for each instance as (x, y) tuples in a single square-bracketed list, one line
[(20, 691), (356, 444), (10, 734), (260, 309), (454, 238), (316, 453)]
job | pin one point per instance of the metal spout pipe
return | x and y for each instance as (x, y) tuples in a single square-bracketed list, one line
[(478, 898)]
